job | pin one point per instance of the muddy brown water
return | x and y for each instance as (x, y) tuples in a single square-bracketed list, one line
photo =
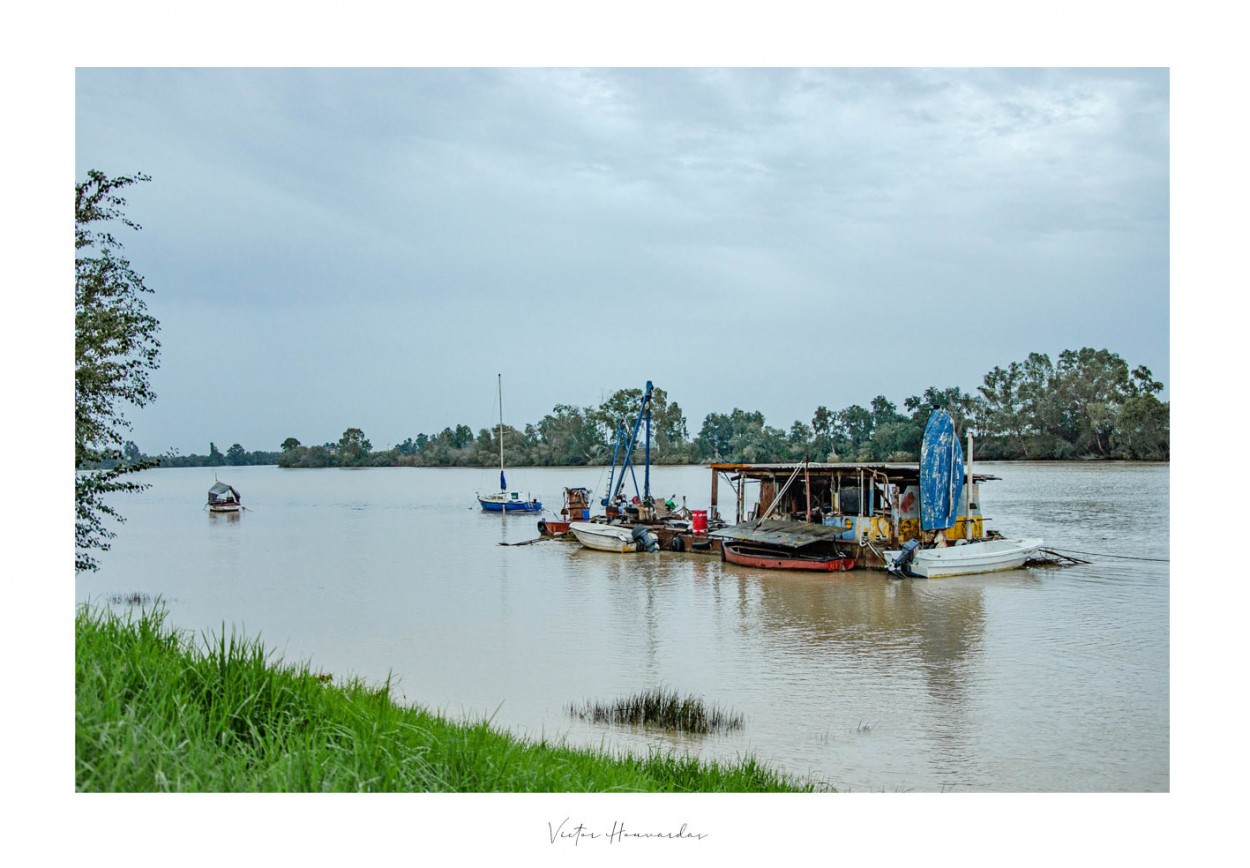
[(1038, 679)]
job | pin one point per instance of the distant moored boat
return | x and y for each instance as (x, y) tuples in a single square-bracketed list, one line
[(505, 501), (223, 498)]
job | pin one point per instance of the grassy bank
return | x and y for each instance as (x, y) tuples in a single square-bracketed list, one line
[(156, 711)]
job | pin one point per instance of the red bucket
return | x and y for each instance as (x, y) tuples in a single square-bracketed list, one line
[(698, 520)]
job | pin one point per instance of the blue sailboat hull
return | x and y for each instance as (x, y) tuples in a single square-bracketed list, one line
[(511, 505)]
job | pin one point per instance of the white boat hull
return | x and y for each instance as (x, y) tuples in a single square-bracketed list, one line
[(604, 537), (989, 556)]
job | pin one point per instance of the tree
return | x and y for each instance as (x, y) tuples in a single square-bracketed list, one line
[(620, 409), (236, 455), (1143, 433), (215, 458), (289, 443), (740, 436), (353, 450), (962, 407), (115, 350), (1091, 385), (712, 441), (852, 431), (894, 437), (408, 447), (822, 434), (799, 442), (668, 427), (567, 436), (669, 441), (753, 441), (1004, 422), (1041, 408)]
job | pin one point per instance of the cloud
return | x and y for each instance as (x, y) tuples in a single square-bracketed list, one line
[(370, 224)]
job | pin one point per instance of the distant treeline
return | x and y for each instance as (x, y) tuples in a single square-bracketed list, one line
[(235, 456), (1087, 404)]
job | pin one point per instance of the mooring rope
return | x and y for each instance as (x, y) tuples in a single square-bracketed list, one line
[(1106, 555)]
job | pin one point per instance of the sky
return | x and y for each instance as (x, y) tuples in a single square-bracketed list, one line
[(370, 247)]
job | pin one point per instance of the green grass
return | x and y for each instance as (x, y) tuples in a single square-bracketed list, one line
[(157, 711)]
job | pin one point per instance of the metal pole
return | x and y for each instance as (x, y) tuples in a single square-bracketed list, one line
[(646, 473), (807, 484), (968, 494)]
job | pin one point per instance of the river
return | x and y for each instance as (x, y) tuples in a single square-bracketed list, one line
[(1042, 680)]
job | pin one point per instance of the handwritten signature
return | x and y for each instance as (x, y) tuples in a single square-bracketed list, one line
[(618, 834)]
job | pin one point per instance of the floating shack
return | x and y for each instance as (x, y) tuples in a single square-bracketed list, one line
[(868, 508)]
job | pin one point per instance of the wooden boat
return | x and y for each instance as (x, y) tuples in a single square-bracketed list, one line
[(769, 558), (773, 544), (576, 507), (223, 498), (504, 501), (613, 537), (961, 559)]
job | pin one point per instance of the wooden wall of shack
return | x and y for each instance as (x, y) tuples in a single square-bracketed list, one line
[(861, 489)]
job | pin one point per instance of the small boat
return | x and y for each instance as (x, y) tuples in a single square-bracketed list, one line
[(614, 537), (576, 507), (504, 501), (768, 558), (961, 559), (774, 544), (942, 467), (223, 498)]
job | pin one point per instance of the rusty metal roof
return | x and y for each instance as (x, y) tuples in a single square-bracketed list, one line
[(813, 465), (822, 469)]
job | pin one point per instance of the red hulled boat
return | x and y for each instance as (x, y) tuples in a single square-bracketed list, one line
[(785, 559)]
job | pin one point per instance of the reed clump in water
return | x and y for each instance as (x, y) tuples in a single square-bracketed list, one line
[(662, 707)]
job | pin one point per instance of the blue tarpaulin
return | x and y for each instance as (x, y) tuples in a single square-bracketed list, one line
[(941, 472)]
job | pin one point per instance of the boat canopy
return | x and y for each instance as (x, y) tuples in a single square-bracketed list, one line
[(222, 493), (792, 534)]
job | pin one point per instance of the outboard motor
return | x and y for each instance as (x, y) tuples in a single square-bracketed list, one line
[(644, 540), (901, 565)]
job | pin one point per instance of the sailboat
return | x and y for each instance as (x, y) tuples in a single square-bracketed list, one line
[(503, 500)]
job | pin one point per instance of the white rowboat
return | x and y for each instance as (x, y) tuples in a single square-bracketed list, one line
[(604, 537), (986, 556)]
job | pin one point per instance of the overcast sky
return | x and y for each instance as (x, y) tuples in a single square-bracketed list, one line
[(369, 248)]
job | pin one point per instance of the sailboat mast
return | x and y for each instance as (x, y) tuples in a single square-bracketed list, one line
[(502, 487)]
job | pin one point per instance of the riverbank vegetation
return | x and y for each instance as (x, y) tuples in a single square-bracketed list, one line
[(157, 711), (1087, 404), (115, 351)]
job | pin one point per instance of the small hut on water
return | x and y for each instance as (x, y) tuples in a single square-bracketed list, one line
[(866, 507), (223, 497)]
